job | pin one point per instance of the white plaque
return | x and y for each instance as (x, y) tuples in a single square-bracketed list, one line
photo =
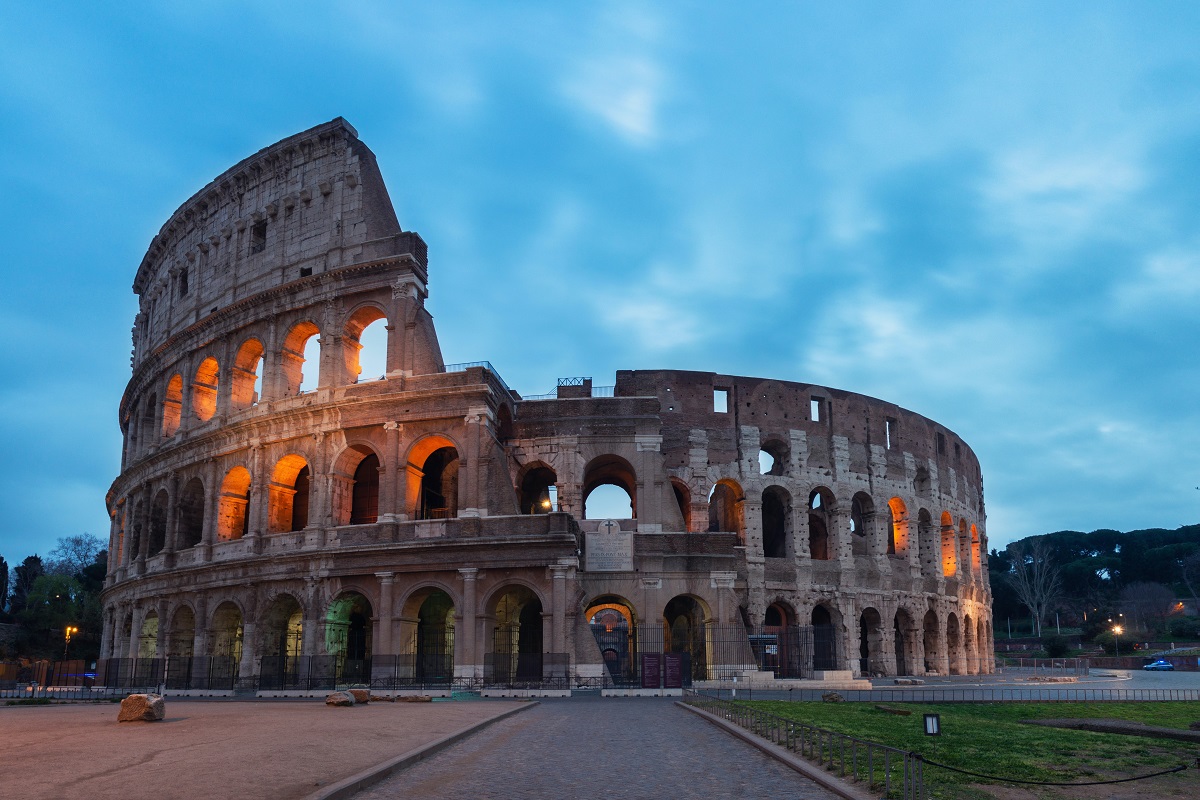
[(609, 550)]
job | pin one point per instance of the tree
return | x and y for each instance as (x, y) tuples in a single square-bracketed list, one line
[(1189, 568), (73, 554), (24, 576), (1035, 578), (53, 603), (1149, 603), (3, 585)]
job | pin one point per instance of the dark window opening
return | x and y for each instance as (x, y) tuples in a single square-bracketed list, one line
[(364, 503), (941, 444), (300, 498), (258, 237), (305, 272), (183, 283)]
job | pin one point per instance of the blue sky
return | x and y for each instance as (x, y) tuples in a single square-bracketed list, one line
[(987, 213)]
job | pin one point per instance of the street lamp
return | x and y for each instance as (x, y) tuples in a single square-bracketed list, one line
[(71, 629), (1117, 635)]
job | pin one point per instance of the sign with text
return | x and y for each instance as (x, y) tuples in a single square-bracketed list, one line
[(609, 549), (672, 670), (651, 670)]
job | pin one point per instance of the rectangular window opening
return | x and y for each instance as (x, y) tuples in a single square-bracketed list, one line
[(183, 283), (305, 272), (721, 401), (941, 444), (957, 451), (889, 432), (815, 408), (258, 237)]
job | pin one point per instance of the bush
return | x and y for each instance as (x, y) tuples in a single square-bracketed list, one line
[(1185, 628), (1055, 646)]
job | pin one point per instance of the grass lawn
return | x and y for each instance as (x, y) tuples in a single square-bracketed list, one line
[(989, 738)]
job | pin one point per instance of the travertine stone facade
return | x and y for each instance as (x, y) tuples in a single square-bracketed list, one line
[(257, 515)]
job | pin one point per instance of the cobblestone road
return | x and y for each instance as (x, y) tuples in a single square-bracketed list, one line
[(610, 748)]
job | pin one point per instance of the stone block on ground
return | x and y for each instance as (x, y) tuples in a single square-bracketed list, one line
[(361, 696), (415, 698), (142, 708), (339, 699), (832, 697)]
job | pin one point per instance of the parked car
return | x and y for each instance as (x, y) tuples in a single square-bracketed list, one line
[(1160, 664)]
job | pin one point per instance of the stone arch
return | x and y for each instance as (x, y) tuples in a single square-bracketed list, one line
[(826, 620), (931, 630), (949, 546), (610, 470), (776, 522), (289, 493), (518, 632), (904, 639), (158, 522), (871, 643), (204, 389), (726, 508), (685, 630), (538, 488), (776, 461), (822, 507), (172, 412), (182, 633), (683, 499), (862, 516), (246, 375), (348, 635), (969, 647), (225, 633), (292, 356), (148, 419), (433, 479), (233, 507), (897, 528), (358, 321), (281, 626), (954, 652), (356, 486), (148, 636), (613, 621), (191, 513)]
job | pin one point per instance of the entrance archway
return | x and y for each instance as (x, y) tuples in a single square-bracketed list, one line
[(614, 626), (902, 626), (433, 647), (348, 637), (684, 632), (870, 643), (516, 637), (932, 641), (824, 639)]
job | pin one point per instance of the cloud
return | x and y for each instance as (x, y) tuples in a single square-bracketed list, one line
[(1168, 281)]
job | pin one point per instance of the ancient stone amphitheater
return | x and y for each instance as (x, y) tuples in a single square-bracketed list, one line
[(280, 520)]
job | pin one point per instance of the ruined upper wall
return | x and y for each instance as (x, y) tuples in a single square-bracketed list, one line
[(308, 204)]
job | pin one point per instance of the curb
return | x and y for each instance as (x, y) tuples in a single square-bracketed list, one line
[(348, 787), (817, 775)]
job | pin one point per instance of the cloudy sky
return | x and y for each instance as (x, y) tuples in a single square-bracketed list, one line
[(987, 213)]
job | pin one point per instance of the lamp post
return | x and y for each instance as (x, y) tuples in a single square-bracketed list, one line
[(1117, 637), (71, 629)]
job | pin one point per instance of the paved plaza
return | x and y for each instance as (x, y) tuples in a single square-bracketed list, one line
[(611, 748)]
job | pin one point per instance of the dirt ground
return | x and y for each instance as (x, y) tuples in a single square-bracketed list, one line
[(212, 749)]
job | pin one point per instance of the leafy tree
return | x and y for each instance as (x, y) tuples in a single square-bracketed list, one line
[(3, 586), (1189, 570), (1149, 603), (53, 602), (24, 576)]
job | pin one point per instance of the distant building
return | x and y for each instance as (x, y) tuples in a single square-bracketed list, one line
[(430, 523)]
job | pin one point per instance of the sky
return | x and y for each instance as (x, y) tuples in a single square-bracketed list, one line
[(986, 213)]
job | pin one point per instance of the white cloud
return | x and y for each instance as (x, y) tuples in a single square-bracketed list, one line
[(1168, 280), (653, 325)]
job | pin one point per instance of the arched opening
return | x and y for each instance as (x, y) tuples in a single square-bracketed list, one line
[(172, 406), (516, 637), (226, 640), (348, 637), (982, 648), (902, 626), (683, 499), (949, 546), (609, 489), (158, 522), (773, 457), (182, 634), (364, 498), (929, 548), (970, 654), (365, 345), (776, 522), (897, 527), (932, 640), (289, 494), (191, 513), (685, 632), (301, 349), (282, 630), (922, 482), (862, 515), (725, 509), (953, 644), (135, 533), (233, 508), (821, 508), (538, 491), (246, 380), (149, 410), (434, 643), (976, 559), (148, 637), (824, 639), (204, 390), (439, 485), (614, 627), (778, 645), (870, 644)]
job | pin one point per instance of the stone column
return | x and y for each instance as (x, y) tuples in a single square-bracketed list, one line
[(135, 632), (212, 503), (390, 500), (471, 501), (558, 599), (468, 660), (200, 632), (383, 643), (160, 646), (170, 545)]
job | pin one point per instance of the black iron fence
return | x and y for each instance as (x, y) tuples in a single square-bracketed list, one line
[(889, 771), (527, 670)]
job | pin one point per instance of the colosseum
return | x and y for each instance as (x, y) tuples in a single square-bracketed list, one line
[(282, 520)]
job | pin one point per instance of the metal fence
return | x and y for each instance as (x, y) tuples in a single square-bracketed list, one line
[(888, 770), (527, 670), (952, 694)]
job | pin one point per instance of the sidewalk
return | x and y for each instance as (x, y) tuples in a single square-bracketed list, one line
[(214, 749)]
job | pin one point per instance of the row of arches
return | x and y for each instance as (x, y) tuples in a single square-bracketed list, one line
[(254, 372)]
